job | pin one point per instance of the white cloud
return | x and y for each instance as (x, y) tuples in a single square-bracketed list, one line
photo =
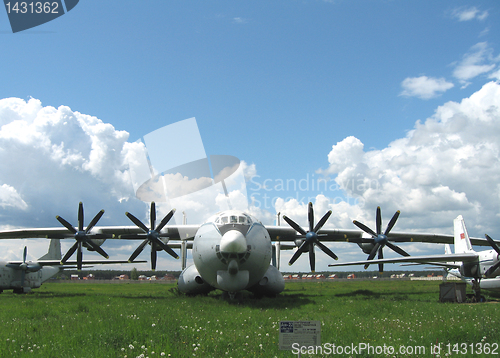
[(424, 87), (10, 198), (446, 166), (479, 60), (54, 158), (239, 20), (469, 13)]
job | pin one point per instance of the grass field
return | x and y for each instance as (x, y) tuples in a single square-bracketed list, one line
[(153, 320)]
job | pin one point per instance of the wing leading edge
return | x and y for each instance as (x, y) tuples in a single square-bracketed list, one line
[(465, 257)]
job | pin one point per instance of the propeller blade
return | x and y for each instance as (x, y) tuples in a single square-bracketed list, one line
[(137, 222), (310, 214), (80, 216), (364, 228), (326, 250), (379, 221), (25, 254), (297, 253), (380, 256), (165, 220), (397, 249), (372, 254), (66, 224), (294, 225), (94, 221), (70, 252), (152, 215), (322, 222), (312, 258), (138, 250), (23, 275), (153, 255), (392, 223), (97, 248), (492, 269), (166, 248), (79, 256), (492, 244)]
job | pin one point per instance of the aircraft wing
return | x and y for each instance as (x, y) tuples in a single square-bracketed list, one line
[(418, 259), (277, 233), (74, 263), (285, 233), (110, 232)]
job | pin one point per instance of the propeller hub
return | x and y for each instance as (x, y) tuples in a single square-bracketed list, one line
[(153, 234), (80, 235), (380, 239), (311, 236)]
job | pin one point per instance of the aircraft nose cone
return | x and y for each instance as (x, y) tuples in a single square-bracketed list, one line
[(233, 242)]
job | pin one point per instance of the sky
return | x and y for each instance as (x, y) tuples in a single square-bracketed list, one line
[(347, 104)]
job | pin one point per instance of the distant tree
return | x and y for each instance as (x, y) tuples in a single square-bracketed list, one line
[(134, 275)]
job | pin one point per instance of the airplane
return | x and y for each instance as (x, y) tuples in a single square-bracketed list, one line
[(232, 251), (450, 268), (471, 265), (490, 284), (22, 276)]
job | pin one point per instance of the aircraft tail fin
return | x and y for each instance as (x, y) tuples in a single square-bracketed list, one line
[(462, 241), (447, 249), (54, 252)]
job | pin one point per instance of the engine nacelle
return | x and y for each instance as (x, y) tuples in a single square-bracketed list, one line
[(190, 282), (271, 284), (97, 242), (366, 247), (470, 269)]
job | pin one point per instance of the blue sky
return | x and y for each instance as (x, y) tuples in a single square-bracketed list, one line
[(276, 84)]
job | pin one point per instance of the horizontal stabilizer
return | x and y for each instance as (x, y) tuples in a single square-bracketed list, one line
[(420, 259)]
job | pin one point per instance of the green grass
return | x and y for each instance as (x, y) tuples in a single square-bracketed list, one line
[(118, 320)]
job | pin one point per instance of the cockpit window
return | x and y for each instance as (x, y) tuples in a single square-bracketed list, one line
[(234, 219)]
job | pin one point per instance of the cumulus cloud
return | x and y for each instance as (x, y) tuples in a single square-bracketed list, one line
[(424, 87), (445, 166), (9, 198), (479, 60), (54, 158), (469, 13)]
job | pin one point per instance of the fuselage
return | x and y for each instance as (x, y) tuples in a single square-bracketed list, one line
[(479, 268), (232, 251)]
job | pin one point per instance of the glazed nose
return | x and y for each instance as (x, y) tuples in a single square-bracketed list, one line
[(233, 242)]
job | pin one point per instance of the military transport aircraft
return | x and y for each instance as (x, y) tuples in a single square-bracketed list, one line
[(471, 264), (22, 276), (232, 251)]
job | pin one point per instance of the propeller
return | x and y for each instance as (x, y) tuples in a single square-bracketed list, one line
[(497, 249), (25, 267), (380, 240), (311, 237), (82, 237), (152, 236)]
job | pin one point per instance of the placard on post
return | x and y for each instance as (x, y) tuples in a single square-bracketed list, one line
[(303, 333)]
